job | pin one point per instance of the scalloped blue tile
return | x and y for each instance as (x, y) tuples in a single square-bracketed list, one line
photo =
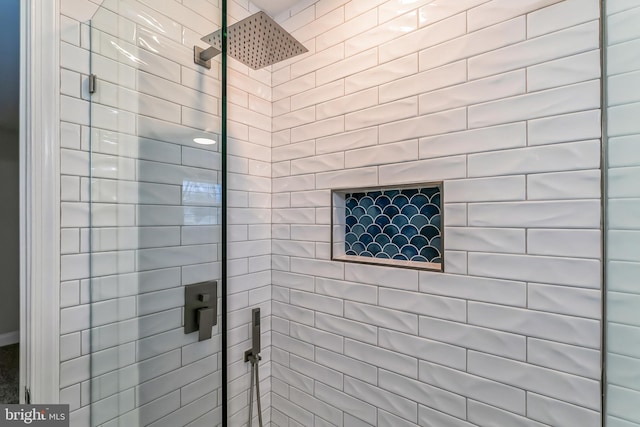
[(394, 224)]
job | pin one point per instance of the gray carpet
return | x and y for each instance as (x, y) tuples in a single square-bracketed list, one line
[(9, 374)]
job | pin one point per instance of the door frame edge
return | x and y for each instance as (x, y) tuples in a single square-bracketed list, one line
[(40, 200)]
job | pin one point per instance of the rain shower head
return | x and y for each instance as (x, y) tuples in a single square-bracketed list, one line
[(257, 41)]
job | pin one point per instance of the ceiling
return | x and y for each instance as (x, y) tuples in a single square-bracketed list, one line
[(274, 7), (10, 64)]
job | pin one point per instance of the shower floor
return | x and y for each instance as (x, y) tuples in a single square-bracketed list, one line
[(9, 374)]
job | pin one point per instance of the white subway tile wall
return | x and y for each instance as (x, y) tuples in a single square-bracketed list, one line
[(156, 214), (501, 100), (623, 226)]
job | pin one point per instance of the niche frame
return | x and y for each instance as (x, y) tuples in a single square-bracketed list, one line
[(338, 228)]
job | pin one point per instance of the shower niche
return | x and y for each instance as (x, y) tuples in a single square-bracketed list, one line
[(397, 226)]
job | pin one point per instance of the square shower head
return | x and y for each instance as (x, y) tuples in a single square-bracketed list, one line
[(257, 41)]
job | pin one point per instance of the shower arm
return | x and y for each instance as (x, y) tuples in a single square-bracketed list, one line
[(203, 56)]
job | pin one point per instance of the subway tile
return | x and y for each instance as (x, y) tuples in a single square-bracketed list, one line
[(481, 339), (352, 366), (623, 214), (499, 291), (564, 43), (318, 95), (499, 10), (387, 153), (584, 302), (367, 176), (472, 141), (453, 167), (425, 82), (554, 327), (441, 307), (347, 104), (426, 394), (382, 399), (620, 180), (322, 58), (317, 302), (621, 24), (558, 157), (570, 388), (623, 304), (622, 404), (543, 214), (455, 214), (622, 244), (474, 387), (314, 164), (571, 243), (487, 189), (424, 349), (318, 129), (424, 38), (347, 141), (432, 418), (382, 74), (352, 291), (295, 118), (381, 33), (428, 125), (566, 358), (564, 185), (377, 316), (293, 378), (346, 402), (473, 44), (319, 408), (482, 414), (561, 15), (569, 99), (476, 92), (318, 372), (561, 271), (316, 337), (566, 127), (556, 412), (564, 71), (346, 67), (348, 328), (294, 86), (385, 113), (440, 9), (322, 24)]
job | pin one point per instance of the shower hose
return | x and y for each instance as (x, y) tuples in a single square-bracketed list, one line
[(255, 376)]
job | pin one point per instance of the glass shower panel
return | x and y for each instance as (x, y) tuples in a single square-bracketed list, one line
[(155, 190), (622, 38)]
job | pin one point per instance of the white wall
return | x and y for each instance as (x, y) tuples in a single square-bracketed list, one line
[(500, 99), (9, 233), (147, 239), (623, 205)]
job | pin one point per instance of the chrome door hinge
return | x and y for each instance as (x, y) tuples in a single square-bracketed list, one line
[(27, 396), (92, 83)]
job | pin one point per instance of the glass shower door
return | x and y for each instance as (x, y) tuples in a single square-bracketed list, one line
[(155, 213)]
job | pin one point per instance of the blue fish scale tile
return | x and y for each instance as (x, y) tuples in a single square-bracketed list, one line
[(394, 224)]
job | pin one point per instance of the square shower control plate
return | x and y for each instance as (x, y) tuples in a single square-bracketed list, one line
[(196, 297)]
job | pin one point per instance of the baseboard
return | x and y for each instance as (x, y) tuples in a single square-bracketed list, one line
[(9, 338)]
